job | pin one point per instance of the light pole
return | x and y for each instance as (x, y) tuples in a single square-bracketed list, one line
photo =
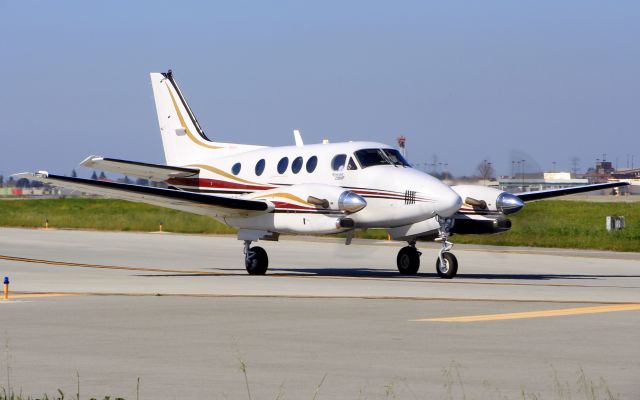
[(523, 175)]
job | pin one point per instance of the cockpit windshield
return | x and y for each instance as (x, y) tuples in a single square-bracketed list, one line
[(371, 157), (395, 157)]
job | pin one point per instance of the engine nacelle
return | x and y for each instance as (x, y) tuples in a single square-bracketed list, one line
[(482, 198), (313, 196), (304, 209)]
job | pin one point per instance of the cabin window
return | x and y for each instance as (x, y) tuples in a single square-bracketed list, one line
[(312, 163), (352, 164), (236, 168), (283, 164), (296, 165), (260, 167), (337, 164)]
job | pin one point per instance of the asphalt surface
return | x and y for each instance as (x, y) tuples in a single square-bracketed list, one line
[(180, 313)]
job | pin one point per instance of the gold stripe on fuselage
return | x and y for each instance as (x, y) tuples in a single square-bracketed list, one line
[(184, 124)]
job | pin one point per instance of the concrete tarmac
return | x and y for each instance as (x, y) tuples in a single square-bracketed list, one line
[(179, 312)]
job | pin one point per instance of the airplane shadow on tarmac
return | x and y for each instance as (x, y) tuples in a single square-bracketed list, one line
[(346, 272)]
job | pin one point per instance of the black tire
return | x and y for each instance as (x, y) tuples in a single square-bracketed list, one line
[(258, 263), (451, 266), (408, 260)]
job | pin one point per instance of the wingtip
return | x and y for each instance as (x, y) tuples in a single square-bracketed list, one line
[(88, 162)]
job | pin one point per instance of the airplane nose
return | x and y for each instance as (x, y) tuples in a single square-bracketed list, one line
[(448, 203)]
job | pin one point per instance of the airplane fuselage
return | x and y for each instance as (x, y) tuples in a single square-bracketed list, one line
[(396, 194)]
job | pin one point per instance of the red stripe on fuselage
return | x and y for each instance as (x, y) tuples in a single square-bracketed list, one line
[(204, 183)]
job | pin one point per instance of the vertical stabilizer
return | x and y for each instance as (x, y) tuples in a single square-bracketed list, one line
[(183, 139)]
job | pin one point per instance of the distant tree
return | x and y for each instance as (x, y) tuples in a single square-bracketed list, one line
[(485, 169), (102, 176), (1, 180), (142, 182), (11, 182), (94, 176), (73, 173), (126, 179)]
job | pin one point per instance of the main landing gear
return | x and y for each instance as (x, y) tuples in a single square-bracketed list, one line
[(446, 264), (255, 259)]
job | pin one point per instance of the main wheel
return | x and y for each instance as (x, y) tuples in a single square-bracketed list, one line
[(450, 267), (408, 260), (257, 262)]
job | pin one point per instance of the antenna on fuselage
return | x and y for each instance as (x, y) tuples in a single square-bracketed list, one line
[(298, 138)]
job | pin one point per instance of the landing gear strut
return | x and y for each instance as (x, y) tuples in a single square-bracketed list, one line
[(255, 259), (447, 263)]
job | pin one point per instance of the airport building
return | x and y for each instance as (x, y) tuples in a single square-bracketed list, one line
[(540, 181)]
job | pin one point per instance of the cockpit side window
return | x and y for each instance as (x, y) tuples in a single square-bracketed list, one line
[(337, 164), (352, 164)]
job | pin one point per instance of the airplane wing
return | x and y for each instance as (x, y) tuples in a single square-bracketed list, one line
[(197, 203), (545, 194), (154, 172)]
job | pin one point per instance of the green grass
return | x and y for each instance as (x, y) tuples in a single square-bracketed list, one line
[(103, 214), (568, 224)]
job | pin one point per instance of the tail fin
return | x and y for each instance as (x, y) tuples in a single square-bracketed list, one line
[(183, 139)]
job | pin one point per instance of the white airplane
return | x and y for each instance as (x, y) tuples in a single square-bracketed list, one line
[(303, 189)]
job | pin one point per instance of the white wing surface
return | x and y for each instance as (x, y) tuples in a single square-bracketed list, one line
[(154, 172), (197, 203)]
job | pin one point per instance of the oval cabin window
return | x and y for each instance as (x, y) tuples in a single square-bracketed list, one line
[(282, 165), (312, 163), (260, 167), (296, 165), (337, 164), (236, 168)]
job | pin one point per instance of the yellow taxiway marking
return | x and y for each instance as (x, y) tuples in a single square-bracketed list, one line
[(536, 314)]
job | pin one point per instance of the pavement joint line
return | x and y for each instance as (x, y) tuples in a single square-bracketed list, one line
[(316, 297), (536, 314), (541, 251), (418, 279)]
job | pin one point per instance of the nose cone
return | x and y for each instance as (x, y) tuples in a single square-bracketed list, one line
[(350, 202), (508, 203), (448, 203)]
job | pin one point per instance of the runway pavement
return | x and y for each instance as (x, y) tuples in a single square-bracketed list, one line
[(180, 312)]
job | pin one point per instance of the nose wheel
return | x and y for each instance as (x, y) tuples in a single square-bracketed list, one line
[(447, 263), (256, 260)]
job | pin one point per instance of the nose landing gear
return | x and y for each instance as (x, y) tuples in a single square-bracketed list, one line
[(447, 263), (255, 259)]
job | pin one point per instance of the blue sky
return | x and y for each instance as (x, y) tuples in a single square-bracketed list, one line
[(466, 81)]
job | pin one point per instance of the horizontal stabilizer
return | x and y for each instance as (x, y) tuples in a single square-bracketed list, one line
[(545, 194), (154, 172), (197, 203)]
